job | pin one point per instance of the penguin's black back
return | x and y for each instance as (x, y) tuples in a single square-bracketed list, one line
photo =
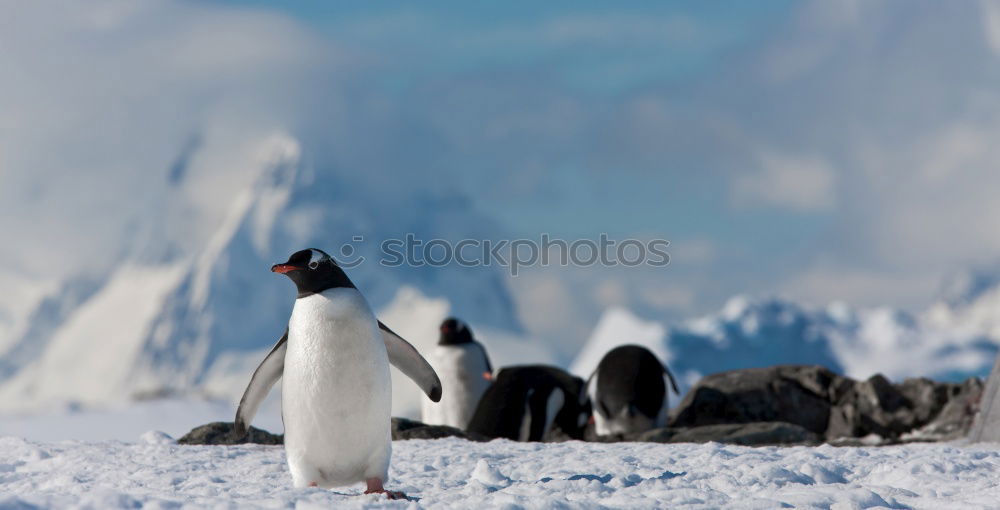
[(501, 408), (630, 375)]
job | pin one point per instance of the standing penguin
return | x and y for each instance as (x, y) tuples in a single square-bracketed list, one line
[(526, 402), (465, 372), (336, 397), (628, 392)]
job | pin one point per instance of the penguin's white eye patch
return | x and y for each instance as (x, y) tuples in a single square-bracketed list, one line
[(315, 258)]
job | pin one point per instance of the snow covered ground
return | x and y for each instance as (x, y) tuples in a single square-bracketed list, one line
[(453, 473)]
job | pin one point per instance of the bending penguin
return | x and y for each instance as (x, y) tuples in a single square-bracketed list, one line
[(528, 402), (465, 371), (336, 397), (628, 391)]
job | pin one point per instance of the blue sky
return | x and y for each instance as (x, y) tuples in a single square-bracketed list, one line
[(419, 47), (759, 136), (502, 59), (603, 56)]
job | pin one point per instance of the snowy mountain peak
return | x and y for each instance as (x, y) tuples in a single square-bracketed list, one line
[(618, 326), (199, 319), (749, 332), (736, 307)]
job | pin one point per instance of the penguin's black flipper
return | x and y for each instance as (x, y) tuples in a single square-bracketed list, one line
[(486, 358), (673, 382), (408, 360), (267, 373)]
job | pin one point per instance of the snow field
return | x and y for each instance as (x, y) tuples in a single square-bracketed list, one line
[(453, 473)]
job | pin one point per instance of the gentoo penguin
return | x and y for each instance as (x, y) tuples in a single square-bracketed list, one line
[(465, 373), (525, 402), (336, 396), (628, 391)]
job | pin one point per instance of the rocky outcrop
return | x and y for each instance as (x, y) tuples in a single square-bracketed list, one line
[(403, 428), (222, 433), (800, 395), (956, 415), (832, 406), (747, 434)]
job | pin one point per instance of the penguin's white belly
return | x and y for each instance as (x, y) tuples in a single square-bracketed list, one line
[(461, 369), (336, 394)]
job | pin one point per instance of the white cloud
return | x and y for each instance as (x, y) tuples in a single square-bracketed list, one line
[(694, 253), (550, 308), (669, 298), (792, 182), (826, 282), (884, 126), (98, 101), (991, 23), (611, 293), (937, 200)]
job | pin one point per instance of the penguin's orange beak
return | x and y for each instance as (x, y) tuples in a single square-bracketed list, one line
[(283, 268)]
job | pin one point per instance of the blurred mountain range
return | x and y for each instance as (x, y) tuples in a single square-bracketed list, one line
[(182, 311), (955, 338)]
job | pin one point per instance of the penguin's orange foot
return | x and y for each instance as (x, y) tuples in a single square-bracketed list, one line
[(375, 487), (313, 484)]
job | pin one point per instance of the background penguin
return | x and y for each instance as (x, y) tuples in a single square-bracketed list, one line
[(628, 391), (336, 397), (525, 402), (465, 373)]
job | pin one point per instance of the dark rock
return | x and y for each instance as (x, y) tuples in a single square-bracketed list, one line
[(916, 409), (927, 397), (747, 434), (403, 428), (953, 421), (664, 435), (222, 433), (876, 406), (801, 395), (844, 422), (557, 435), (836, 408)]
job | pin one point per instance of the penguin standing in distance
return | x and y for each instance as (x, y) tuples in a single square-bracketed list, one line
[(465, 372), (526, 402), (336, 396), (628, 391)]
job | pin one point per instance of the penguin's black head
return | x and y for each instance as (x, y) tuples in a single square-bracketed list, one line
[(313, 271), (454, 332)]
